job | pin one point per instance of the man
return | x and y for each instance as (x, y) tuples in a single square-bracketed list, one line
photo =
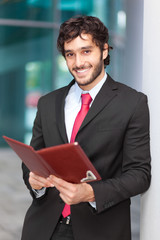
[(114, 134)]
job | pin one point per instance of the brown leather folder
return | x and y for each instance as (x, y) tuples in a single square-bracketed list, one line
[(67, 161)]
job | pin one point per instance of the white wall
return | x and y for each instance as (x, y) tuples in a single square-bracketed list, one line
[(150, 201), (134, 44)]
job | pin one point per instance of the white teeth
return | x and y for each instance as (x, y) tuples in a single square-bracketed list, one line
[(81, 71)]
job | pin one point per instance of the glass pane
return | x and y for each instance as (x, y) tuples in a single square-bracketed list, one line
[(70, 8), (26, 74), (27, 9)]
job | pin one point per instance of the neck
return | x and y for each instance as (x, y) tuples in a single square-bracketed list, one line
[(91, 85)]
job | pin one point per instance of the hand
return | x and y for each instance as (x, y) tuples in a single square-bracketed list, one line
[(73, 193), (38, 182)]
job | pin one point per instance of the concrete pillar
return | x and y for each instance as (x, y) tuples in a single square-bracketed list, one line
[(150, 201)]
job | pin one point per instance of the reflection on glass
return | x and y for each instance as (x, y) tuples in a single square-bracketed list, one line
[(26, 74), (38, 82)]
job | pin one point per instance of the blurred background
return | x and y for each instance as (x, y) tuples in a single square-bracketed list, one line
[(31, 66)]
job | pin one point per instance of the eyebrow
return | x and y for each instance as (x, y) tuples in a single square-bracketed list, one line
[(82, 48)]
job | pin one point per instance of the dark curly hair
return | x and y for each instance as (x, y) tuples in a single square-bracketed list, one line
[(74, 27)]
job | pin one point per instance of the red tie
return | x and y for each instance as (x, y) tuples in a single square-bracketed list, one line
[(86, 100)]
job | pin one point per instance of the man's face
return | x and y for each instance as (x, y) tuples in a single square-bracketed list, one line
[(85, 61)]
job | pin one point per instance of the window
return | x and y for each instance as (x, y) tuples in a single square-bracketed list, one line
[(30, 63)]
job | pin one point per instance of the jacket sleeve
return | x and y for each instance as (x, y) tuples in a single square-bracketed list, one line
[(135, 174), (37, 142)]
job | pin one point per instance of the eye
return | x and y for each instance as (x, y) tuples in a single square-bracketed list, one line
[(87, 52), (69, 55)]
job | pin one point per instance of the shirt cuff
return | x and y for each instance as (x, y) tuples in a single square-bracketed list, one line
[(93, 204), (39, 193)]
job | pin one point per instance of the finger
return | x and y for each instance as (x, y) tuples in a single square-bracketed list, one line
[(36, 179), (35, 184), (60, 183), (68, 191)]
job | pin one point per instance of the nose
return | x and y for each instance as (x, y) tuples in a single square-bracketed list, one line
[(79, 61)]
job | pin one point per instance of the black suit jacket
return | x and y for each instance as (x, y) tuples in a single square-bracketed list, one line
[(115, 137)]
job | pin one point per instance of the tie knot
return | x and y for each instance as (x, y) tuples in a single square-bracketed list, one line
[(86, 99)]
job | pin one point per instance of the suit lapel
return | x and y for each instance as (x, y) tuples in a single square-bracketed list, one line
[(60, 118), (104, 97)]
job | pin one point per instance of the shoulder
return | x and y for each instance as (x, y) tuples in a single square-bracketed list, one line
[(55, 96), (128, 100), (126, 92)]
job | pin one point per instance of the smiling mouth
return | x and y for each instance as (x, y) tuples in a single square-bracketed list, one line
[(82, 71)]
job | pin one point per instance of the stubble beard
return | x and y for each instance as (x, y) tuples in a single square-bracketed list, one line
[(97, 71)]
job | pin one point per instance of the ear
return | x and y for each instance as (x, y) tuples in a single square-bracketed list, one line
[(105, 51)]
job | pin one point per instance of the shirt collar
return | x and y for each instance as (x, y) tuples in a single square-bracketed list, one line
[(93, 92)]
